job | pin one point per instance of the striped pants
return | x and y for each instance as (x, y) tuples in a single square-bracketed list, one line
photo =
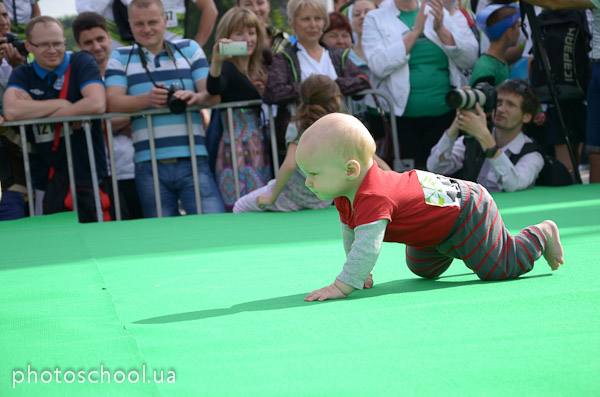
[(480, 239)]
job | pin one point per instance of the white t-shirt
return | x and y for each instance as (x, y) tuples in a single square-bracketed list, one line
[(309, 66), (23, 9)]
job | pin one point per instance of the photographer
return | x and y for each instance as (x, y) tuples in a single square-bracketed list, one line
[(485, 157), (155, 73), (10, 56)]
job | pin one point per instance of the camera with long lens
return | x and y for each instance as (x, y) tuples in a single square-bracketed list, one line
[(16, 42), (482, 93), (176, 105)]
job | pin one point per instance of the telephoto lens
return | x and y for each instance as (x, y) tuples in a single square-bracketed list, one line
[(483, 94)]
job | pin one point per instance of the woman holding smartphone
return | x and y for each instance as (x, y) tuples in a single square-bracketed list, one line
[(240, 78)]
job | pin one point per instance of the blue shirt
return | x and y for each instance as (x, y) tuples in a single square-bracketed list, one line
[(43, 84), (125, 69)]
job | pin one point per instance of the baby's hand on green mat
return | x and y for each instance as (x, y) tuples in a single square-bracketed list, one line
[(337, 290), (325, 293)]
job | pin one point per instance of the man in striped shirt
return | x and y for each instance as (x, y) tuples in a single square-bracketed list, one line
[(139, 77)]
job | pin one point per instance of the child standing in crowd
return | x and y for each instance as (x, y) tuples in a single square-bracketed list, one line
[(501, 24), (438, 218), (319, 95)]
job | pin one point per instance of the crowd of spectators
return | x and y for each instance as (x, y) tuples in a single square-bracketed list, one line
[(414, 52)]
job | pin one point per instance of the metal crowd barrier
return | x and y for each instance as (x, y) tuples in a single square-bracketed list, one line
[(398, 165)]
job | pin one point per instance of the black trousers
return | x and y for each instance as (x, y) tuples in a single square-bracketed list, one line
[(417, 135)]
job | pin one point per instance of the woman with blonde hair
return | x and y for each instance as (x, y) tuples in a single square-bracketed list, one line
[(240, 78), (308, 56)]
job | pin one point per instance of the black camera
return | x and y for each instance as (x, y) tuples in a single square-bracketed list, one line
[(176, 106), (16, 42), (482, 93)]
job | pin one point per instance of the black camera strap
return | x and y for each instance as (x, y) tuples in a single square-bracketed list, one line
[(144, 62), (15, 22)]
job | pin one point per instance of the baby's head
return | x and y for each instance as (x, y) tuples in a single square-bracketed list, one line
[(335, 153)]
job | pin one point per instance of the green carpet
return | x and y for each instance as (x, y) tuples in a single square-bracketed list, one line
[(214, 303)]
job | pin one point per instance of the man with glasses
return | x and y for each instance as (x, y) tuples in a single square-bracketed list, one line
[(500, 159), (138, 78), (58, 84)]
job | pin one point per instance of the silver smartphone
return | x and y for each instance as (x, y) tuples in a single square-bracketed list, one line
[(235, 48)]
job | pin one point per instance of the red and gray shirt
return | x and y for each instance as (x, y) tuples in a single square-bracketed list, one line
[(416, 208)]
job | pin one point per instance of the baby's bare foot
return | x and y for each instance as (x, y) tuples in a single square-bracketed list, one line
[(369, 281), (554, 250)]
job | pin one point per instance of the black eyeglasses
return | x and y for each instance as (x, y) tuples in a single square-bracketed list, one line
[(46, 45)]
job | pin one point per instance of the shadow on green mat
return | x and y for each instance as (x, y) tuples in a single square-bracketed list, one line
[(290, 301)]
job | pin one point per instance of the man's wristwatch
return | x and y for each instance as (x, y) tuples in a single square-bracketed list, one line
[(491, 152)]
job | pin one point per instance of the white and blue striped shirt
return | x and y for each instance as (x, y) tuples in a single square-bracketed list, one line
[(170, 130)]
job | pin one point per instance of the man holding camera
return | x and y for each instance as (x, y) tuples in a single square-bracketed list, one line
[(10, 57), (155, 73), (499, 160)]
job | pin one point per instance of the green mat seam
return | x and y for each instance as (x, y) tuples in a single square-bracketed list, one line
[(139, 350)]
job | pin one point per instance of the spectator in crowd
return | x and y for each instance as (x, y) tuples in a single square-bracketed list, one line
[(58, 84), (359, 12), (12, 175), (20, 12), (486, 157), (105, 9), (500, 23), (593, 94), (523, 46), (415, 53), (308, 19), (240, 78), (339, 32), (91, 34), (275, 39), (9, 55), (339, 35), (141, 77), (464, 20), (175, 10), (11, 158)]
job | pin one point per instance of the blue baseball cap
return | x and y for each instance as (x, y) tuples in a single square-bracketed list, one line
[(496, 31)]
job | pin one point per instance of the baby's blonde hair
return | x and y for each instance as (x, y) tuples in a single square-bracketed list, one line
[(344, 135)]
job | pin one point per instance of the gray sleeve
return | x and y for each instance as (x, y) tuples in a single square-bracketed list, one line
[(362, 253), (347, 237)]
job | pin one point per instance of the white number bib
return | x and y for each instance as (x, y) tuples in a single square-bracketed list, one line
[(438, 190)]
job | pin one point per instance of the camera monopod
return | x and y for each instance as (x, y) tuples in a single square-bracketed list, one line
[(540, 51)]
